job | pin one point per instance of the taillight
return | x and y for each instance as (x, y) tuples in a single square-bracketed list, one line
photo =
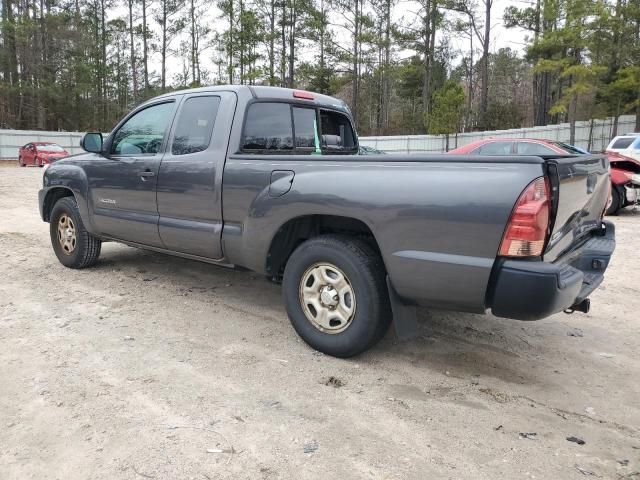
[(528, 226)]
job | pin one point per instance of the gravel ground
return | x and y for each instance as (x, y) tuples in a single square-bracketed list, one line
[(149, 366)]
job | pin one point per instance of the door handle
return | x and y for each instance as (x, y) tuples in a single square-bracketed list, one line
[(146, 174)]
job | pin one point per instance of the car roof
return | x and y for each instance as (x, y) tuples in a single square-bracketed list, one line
[(264, 92)]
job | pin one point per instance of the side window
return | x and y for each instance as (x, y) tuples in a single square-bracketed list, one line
[(528, 148), (494, 148), (268, 127), (195, 125), (337, 133), (143, 133), (304, 120)]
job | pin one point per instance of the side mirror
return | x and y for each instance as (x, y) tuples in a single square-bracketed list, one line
[(92, 142)]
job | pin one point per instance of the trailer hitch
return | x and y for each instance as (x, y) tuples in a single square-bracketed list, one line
[(582, 306)]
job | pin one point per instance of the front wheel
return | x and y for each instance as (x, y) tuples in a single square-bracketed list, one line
[(20, 162), (72, 244), (336, 296)]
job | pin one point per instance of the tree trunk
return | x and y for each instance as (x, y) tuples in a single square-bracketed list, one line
[(145, 51), (573, 107), (163, 47), (272, 38), (192, 15), (283, 38), (427, 66), (484, 91), (230, 42), (103, 73), (386, 89), (134, 74), (241, 37), (356, 62), (292, 40)]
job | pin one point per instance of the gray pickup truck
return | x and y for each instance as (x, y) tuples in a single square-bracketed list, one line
[(269, 179)]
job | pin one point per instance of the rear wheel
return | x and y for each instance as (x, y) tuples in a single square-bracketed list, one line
[(72, 244), (20, 162), (617, 201), (335, 293)]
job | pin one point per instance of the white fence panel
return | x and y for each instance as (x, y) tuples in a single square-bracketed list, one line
[(600, 136)]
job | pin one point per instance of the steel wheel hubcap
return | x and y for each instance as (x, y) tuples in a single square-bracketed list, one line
[(327, 298), (66, 234)]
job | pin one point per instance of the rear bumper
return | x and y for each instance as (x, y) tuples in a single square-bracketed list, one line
[(527, 290)]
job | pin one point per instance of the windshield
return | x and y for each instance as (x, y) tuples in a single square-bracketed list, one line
[(50, 148)]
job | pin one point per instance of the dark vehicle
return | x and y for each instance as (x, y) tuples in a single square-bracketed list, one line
[(269, 179)]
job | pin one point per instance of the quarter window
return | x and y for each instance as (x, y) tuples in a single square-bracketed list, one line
[(195, 125), (144, 131)]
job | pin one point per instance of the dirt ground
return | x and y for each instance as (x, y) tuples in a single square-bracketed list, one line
[(149, 366)]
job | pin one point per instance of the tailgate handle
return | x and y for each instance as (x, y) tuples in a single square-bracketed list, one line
[(592, 180)]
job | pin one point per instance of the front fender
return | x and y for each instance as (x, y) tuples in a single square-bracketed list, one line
[(70, 177)]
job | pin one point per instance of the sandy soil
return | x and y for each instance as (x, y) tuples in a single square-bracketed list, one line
[(149, 366)]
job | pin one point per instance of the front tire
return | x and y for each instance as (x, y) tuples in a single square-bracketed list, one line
[(72, 244), (20, 162), (336, 296)]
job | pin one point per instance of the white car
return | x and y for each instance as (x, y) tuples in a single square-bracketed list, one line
[(628, 145)]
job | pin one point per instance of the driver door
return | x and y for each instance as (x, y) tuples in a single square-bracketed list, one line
[(122, 185)]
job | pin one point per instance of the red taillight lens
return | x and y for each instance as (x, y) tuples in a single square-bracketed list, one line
[(528, 226)]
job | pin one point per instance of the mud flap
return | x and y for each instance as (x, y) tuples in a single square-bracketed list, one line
[(405, 317)]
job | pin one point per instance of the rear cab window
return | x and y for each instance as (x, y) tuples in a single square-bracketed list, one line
[(284, 127)]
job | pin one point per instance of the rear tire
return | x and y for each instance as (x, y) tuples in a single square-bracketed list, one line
[(617, 202), (20, 162), (336, 296), (72, 244)]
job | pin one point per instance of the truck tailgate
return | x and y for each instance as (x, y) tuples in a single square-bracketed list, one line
[(580, 186)]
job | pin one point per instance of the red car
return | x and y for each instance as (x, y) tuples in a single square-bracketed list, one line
[(625, 171), (40, 153)]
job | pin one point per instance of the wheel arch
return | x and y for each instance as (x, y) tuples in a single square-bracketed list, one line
[(298, 229), (52, 196)]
